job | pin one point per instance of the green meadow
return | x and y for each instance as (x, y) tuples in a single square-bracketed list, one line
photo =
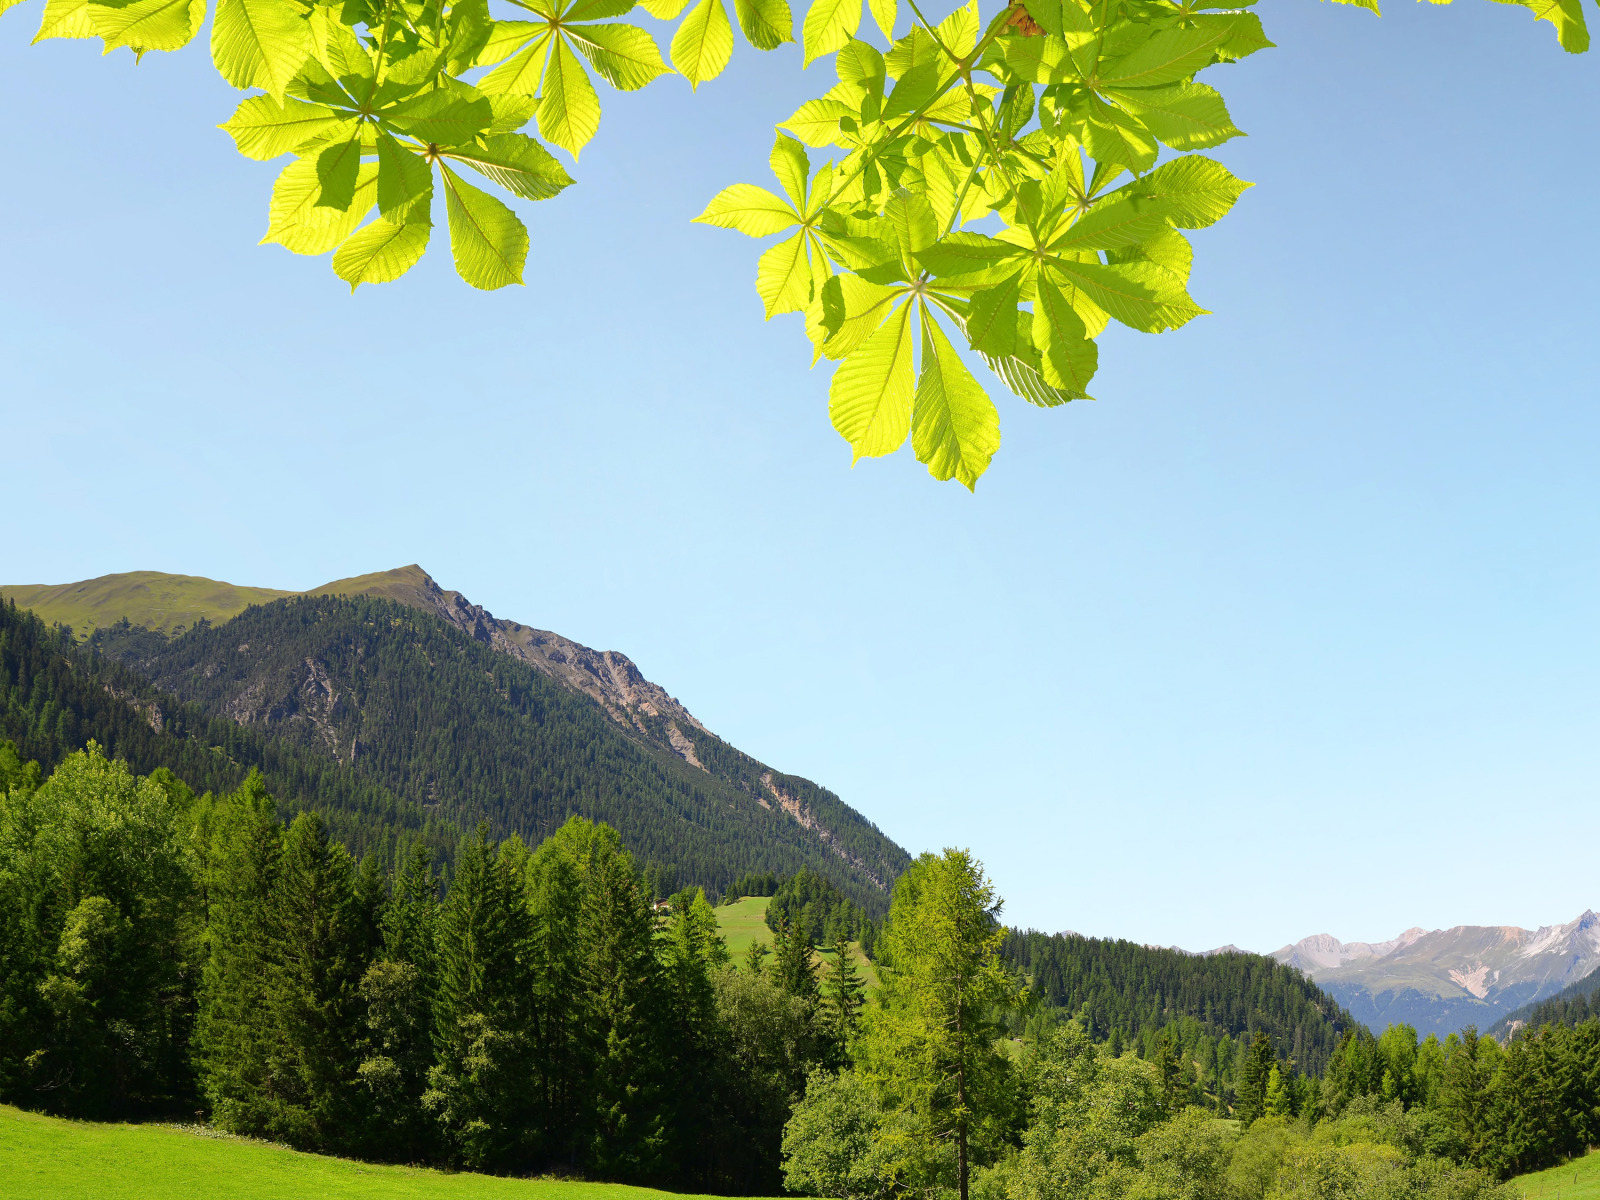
[(1577, 1180), (745, 921), (42, 1158)]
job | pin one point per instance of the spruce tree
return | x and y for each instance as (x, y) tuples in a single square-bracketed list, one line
[(554, 891), (320, 941), (478, 1087), (234, 1031), (1254, 1077)]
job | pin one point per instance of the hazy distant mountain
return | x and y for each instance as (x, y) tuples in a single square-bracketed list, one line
[(1446, 979)]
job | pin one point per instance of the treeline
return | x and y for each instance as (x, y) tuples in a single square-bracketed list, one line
[(57, 696), (162, 952), (466, 733), (1208, 1007), (1510, 1109), (807, 905)]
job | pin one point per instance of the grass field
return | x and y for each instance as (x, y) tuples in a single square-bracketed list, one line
[(42, 1158), (147, 598), (1578, 1180), (745, 921)]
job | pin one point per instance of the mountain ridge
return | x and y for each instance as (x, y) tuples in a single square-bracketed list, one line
[(307, 672), (1442, 980)]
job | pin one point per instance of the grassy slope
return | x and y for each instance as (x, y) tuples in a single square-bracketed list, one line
[(167, 602), (42, 1158), (147, 598), (745, 921), (1578, 1180)]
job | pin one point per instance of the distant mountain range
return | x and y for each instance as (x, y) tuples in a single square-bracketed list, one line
[(1443, 980), (462, 716)]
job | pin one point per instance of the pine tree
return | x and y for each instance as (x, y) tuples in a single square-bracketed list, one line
[(478, 1086), (846, 995), (234, 1029), (320, 941), (560, 1063), (794, 964), (1254, 1077)]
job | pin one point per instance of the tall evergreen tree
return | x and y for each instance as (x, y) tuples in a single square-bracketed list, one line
[(478, 1088), (1254, 1078)]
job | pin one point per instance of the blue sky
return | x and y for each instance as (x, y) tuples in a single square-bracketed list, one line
[(1292, 630)]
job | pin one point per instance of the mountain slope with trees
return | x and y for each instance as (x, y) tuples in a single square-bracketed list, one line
[(465, 732), (1124, 993)]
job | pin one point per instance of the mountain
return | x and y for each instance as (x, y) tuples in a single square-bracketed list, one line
[(1572, 1005), (170, 603), (1443, 980), (465, 717)]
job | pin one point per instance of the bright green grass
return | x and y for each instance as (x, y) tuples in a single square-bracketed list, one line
[(742, 922), (745, 921), (1578, 1180), (147, 598), (42, 1158)]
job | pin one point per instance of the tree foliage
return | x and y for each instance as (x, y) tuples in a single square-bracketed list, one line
[(1007, 186)]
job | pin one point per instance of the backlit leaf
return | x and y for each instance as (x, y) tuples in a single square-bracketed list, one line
[(380, 253), (569, 111), (751, 210), (1186, 116), (625, 56), (517, 163), (703, 44), (828, 26), (297, 223), (263, 129), (487, 241), (768, 24), (869, 400), (65, 19), (955, 426), (783, 277), (147, 24), (259, 43), (792, 167)]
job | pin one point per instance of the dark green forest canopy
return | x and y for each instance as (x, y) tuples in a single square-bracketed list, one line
[(1123, 988), (388, 718)]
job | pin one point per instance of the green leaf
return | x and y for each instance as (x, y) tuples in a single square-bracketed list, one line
[(1168, 56), (405, 184), (511, 112), (857, 307), (767, 24), (784, 277), (1121, 221), (1198, 191), (517, 163), (487, 241), (337, 168), (1141, 295), (959, 30), (703, 44), (380, 253), (295, 220), (65, 19), (955, 426), (520, 75), (663, 10), (468, 29), (259, 43), (912, 225), (915, 89), (147, 24), (963, 253), (828, 26), (1022, 374), (1116, 138), (262, 128), (816, 122), (441, 117), (569, 111), (1068, 358), (792, 167), (595, 10), (504, 38), (625, 56), (1567, 17), (1186, 116), (992, 318), (751, 210), (869, 400), (885, 13)]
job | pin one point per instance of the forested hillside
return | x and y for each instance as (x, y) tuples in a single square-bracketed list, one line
[(464, 732), (1123, 992), (56, 696), (1572, 1005)]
